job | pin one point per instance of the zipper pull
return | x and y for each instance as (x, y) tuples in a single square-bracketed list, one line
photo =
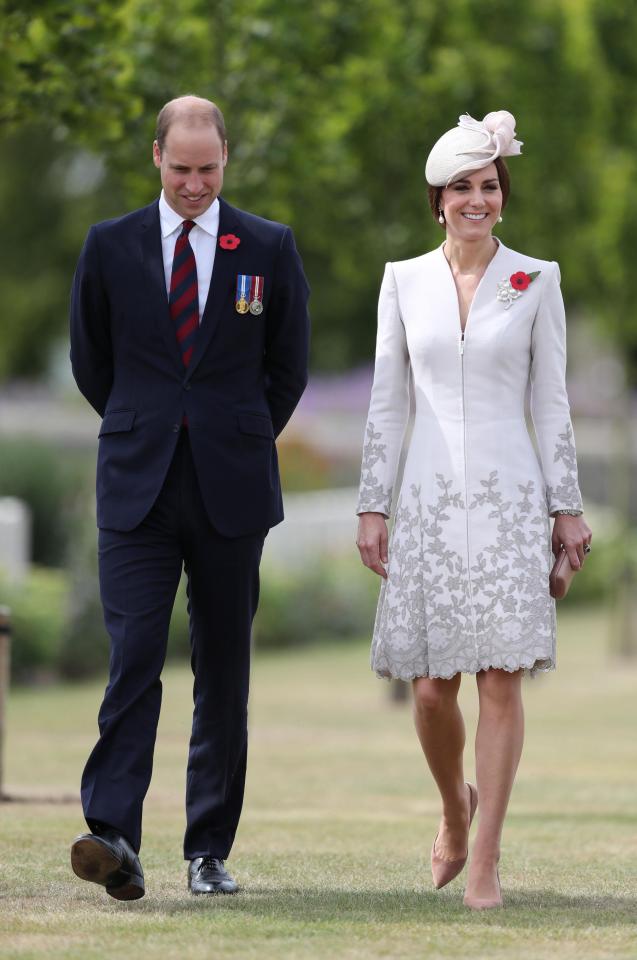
[(462, 344)]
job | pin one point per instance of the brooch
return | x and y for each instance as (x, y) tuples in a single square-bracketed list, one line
[(229, 242), (509, 290)]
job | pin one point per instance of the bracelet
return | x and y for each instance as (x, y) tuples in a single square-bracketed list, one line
[(568, 513)]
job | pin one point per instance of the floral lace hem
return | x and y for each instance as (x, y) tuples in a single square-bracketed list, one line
[(536, 665)]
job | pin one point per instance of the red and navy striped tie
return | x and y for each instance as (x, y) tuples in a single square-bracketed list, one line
[(184, 293)]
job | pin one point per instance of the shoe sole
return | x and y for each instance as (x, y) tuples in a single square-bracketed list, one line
[(92, 860), (132, 889)]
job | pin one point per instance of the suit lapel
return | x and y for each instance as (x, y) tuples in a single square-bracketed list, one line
[(222, 283), (156, 281)]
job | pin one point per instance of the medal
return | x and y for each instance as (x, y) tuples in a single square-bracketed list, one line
[(256, 296), (241, 298), (249, 295)]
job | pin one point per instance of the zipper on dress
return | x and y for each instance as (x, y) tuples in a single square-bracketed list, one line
[(466, 493)]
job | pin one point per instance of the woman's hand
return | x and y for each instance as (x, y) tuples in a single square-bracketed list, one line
[(572, 533), (371, 541)]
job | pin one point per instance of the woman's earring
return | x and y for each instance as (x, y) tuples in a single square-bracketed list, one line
[(499, 219), (441, 217)]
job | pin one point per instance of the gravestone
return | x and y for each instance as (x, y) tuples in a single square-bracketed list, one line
[(15, 539)]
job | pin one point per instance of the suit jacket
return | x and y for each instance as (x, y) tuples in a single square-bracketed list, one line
[(245, 377)]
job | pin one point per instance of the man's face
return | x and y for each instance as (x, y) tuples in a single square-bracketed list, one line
[(191, 167)]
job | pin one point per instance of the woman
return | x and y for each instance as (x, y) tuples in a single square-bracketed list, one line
[(466, 329)]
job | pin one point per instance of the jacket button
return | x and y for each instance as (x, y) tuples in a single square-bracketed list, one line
[(175, 428), (186, 386)]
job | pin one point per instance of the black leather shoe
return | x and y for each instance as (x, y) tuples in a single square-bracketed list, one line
[(208, 875), (108, 859)]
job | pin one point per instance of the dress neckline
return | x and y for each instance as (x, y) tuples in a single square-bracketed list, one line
[(487, 270)]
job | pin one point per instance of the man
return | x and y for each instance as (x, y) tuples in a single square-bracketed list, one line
[(189, 337)]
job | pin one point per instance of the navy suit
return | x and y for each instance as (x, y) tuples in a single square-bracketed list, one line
[(202, 497)]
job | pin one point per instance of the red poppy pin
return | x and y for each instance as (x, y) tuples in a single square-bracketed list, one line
[(509, 290), (229, 241)]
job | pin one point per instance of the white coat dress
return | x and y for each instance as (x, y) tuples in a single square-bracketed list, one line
[(470, 552)]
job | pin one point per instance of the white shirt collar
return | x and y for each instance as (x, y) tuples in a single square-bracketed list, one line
[(170, 221)]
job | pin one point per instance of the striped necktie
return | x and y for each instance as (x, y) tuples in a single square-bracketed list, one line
[(184, 293)]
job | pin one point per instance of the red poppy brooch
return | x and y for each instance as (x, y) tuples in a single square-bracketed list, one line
[(509, 290), (229, 242)]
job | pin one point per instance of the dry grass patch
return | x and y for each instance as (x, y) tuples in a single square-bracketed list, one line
[(333, 846)]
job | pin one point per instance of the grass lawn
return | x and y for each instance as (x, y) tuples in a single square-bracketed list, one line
[(332, 851)]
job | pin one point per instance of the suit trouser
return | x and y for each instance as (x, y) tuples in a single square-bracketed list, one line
[(139, 574)]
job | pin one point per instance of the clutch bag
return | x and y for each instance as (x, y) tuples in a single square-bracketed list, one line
[(561, 576)]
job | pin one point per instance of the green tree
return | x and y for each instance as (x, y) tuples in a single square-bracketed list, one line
[(331, 110), (67, 63)]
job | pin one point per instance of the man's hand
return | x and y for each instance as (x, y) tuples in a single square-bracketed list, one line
[(572, 533), (372, 542)]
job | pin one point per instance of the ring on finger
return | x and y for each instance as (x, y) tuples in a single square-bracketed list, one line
[(587, 548)]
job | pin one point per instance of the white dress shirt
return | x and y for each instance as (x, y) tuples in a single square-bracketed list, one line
[(203, 240)]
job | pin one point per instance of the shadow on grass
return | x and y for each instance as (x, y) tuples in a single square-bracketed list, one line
[(576, 816), (42, 799), (408, 906)]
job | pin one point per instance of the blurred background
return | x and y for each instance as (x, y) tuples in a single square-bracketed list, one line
[(331, 108)]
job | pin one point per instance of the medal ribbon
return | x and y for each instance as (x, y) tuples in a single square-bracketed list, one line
[(256, 289), (243, 281)]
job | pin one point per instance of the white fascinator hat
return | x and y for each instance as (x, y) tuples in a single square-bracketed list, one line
[(470, 146)]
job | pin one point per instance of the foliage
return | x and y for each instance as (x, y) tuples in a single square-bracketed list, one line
[(43, 237), (330, 599), (38, 620), (599, 578), (68, 62), (85, 650), (59, 627), (59, 624), (302, 466), (331, 110), (54, 487)]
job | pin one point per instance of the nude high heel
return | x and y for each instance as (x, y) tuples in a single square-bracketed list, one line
[(485, 903), (443, 871)]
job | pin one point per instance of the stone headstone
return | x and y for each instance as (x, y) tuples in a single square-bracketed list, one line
[(15, 539)]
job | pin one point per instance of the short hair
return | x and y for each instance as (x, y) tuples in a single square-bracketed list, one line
[(192, 110), (434, 193)]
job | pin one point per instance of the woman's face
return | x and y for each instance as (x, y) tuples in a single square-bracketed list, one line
[(472, 205)]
